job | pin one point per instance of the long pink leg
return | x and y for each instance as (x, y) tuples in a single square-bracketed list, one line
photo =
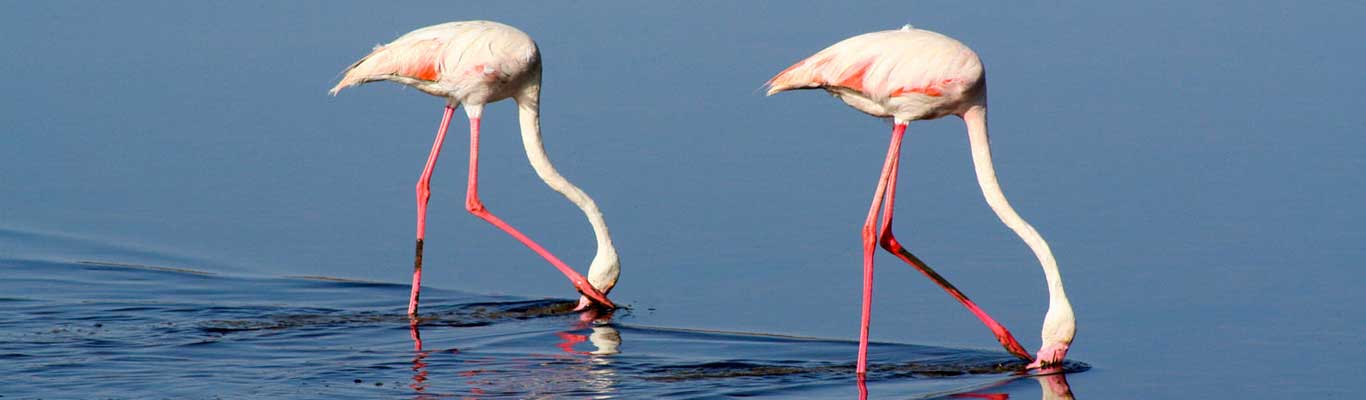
[(424, 192), (476, 207), (889, 242), (870, 246)]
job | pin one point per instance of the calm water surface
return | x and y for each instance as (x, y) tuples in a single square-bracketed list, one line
[(186, 214), (97, 329)]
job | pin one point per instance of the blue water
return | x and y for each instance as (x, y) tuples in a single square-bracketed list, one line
[(99, 329), (1196, 167)]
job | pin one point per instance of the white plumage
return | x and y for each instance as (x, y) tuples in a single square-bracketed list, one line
[(470, 64), (913, 74)]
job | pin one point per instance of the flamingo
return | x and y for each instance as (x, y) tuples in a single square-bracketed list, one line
[(473, 63), (913, 74)]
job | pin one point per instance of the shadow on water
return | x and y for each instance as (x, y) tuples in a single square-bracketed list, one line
[(102, 329)]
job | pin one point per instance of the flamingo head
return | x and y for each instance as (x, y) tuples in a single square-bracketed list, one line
[(1059, 327), (602, 274), (1050, 354)]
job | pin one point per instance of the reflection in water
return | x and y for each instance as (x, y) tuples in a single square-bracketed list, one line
[(600, 376), (596, 375), (1052, 383), (416, 335), (607, 339), (988, 396), (242, 328), (419, 384), (568, 340), (1055, 387)]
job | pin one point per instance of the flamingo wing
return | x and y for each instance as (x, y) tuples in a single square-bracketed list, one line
[(886, 64), (446, 58), (410, 59)]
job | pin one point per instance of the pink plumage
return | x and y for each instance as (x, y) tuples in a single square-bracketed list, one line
[(908, 74), (472, 62)]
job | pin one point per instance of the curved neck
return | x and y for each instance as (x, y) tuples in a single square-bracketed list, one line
[(976, 120), (602, 273)]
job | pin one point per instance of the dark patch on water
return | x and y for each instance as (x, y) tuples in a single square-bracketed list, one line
[(454, 315)]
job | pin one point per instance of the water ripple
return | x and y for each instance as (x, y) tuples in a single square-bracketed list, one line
[(110, 329)]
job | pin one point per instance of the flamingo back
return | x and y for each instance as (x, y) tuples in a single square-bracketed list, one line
[(474, 62), (890, 73)]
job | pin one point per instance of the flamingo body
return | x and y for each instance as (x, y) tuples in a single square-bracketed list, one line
[(473, 63), (908, 74), (912, 74), (470, 62)]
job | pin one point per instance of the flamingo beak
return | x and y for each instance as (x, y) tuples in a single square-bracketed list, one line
[(584, 303)]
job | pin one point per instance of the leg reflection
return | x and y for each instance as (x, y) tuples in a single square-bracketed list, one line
[(419, 384), (416, 335), (568, 340)]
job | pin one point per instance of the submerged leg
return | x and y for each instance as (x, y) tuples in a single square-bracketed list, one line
[(870, 246), (476, 207), (424, 192), (889, 242)]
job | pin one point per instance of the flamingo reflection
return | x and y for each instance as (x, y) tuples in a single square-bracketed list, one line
[(1054, 387), (604, 338), (1052, 383)]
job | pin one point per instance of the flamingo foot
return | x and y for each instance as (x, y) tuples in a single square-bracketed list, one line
[(1050, 354)]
